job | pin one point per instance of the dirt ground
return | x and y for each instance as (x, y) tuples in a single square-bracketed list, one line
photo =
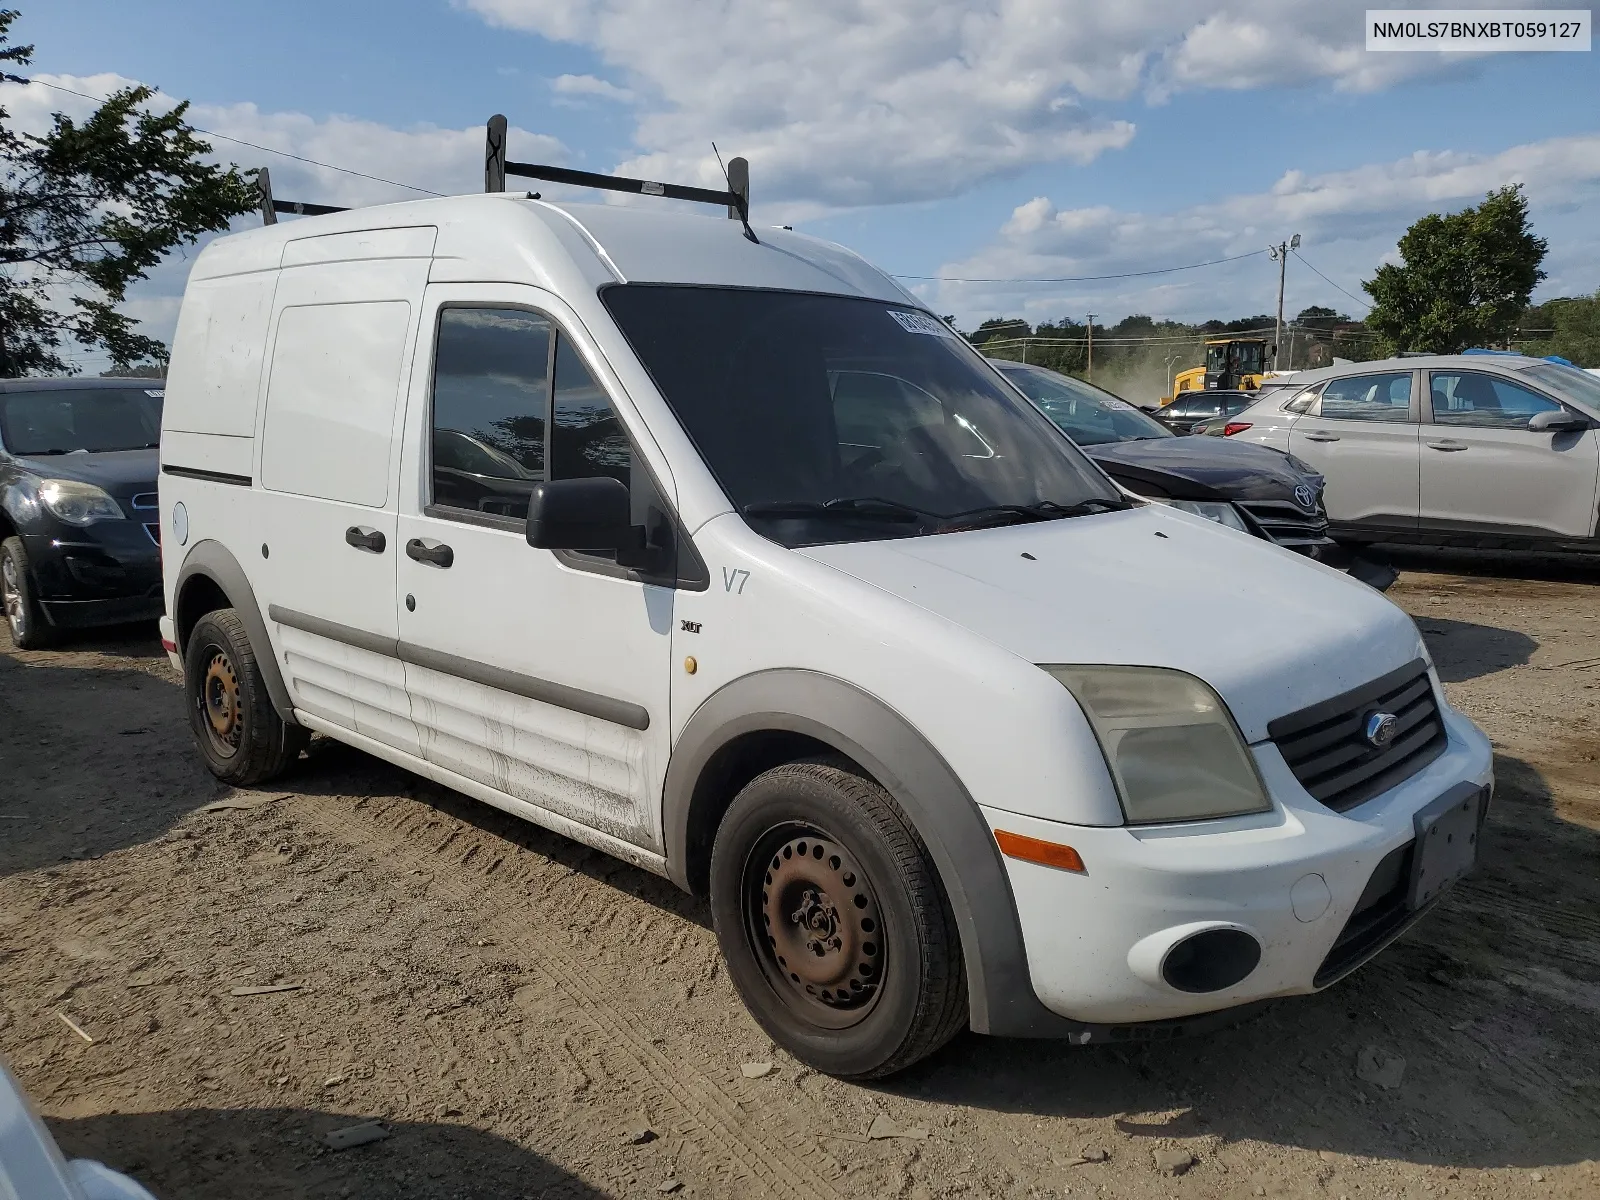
[(518, 1011)]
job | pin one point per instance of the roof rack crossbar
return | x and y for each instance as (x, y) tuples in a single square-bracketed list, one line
[(271, 207), (618, 183), (496, 167)]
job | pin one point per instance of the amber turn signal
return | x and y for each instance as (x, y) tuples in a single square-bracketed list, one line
[(1049, 854)]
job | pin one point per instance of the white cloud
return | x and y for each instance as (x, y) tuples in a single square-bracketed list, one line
[(1350, 221), (589, 85), (843, 103)]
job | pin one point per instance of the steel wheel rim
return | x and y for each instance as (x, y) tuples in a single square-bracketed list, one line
[(815, 925), (218, 703), (11, 596)]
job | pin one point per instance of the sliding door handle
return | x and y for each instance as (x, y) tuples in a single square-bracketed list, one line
[(1447, 445), (370, 540), (438, 556), (1320, 437)]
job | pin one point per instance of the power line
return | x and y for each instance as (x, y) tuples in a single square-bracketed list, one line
[(1087, 278), (1364, 303), (255, 146)]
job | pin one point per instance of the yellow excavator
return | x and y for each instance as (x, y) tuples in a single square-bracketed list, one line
[(1231, 364)]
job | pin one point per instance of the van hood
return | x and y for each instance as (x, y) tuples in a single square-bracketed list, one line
[(1271, 630)]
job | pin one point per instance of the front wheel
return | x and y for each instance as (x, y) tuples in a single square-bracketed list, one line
[(30, 629), (240, 734), (833, 923)]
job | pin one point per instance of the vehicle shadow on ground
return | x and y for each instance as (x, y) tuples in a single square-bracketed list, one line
[(95, 757), (1496, 564), (267, 1153), (1491, 1001), (331, 768), (142, 639), (1463, 651)]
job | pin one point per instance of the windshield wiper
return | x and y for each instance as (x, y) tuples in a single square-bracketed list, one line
[(859, 508), (1044, 510)]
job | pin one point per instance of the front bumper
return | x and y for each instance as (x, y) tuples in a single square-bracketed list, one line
[(102, 574), (1291, 879)]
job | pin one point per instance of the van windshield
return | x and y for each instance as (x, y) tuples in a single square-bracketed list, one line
[(830, 418)]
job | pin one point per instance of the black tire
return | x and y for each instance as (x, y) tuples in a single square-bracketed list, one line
[(240, 734), (30, 629), (859, 910)]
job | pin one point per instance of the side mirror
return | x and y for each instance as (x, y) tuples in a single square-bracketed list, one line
[(1557, 421), (582, 514)]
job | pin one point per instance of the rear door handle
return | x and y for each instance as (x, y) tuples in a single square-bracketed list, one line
[(1447, 445), (1321, 437), (439, 556), (371, 540)]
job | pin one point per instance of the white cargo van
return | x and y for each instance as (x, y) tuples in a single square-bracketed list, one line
[(727, 557)]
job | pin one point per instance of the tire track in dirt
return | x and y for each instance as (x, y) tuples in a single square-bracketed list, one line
[(395, 834)]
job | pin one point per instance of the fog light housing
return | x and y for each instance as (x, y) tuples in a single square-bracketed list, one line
[(1211, 961)]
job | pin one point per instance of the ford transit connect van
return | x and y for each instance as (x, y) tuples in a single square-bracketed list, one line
[(727, 557)]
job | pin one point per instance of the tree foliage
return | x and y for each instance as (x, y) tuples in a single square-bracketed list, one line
[(86, 210), (1465, 280), (1568, 327)]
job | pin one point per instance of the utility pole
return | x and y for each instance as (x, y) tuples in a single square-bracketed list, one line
[(1091, 347), (1280, 253)]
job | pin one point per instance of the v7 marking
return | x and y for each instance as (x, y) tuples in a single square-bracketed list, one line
[(729, 578)]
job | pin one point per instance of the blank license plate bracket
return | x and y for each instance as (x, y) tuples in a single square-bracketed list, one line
[(1447, 842)]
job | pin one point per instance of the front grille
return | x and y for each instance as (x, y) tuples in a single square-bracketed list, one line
[(1286, 523), (1326, 746), (146, 501)]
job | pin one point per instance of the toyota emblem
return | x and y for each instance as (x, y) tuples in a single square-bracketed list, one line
[(1304, 496), (1381, 728)]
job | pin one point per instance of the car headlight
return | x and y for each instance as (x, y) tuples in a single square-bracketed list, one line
[(1221, 512), (1174, 751), (78, 503)]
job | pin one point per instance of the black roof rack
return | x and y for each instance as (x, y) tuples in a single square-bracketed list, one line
[(270, 208), (496, 167)]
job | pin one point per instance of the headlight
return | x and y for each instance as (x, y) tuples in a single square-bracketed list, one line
[(1173, 749), (78, 503), (1222, 513)]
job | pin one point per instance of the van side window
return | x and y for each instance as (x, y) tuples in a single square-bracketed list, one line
[(586, 439), (1385, 397), (491, 377)]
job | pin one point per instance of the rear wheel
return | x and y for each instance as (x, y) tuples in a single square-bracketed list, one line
[(834, 926), (30, 628), (240, 734)]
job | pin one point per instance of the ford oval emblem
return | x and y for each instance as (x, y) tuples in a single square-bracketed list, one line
[(1304, 496), (1381, 729)]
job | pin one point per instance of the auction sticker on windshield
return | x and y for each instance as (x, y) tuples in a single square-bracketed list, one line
[(916, 322)]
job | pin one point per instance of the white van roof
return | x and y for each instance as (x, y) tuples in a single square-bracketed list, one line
[(511, 237)]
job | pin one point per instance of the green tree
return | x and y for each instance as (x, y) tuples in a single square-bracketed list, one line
[(89, 208), (1465, 280), (1569, 327)]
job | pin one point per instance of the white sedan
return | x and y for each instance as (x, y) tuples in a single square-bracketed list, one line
[(1470, 450)]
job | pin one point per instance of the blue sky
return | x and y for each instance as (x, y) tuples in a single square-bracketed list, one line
[(1012, 138)]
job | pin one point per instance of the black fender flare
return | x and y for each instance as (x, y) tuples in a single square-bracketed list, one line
[(884, 744), (216, 562)]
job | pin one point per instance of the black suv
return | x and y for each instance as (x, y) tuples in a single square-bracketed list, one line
[(80, 535), (1273, 496), (1191, 408)]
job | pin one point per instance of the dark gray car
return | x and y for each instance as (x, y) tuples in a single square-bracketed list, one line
[(79, 526), (1259, 491)]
